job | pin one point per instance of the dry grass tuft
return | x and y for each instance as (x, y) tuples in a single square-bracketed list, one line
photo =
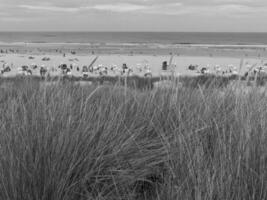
[(70, 142)]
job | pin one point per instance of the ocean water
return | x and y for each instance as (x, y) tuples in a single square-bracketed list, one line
[(135, 38)]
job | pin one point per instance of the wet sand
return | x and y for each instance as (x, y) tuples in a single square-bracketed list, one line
[(255, 51)]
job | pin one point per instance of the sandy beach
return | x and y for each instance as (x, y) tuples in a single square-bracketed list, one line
[(78, 55)]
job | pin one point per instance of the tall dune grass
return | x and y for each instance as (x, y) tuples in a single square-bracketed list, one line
[(67, 142)]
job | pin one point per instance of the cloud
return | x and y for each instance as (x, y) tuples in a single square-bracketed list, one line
[(13, 19), (123, 7), (234, 1), (124, 13), (245, 10), (166, 7), (49, 8)]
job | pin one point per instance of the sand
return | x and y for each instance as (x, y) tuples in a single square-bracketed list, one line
[(18, 55), (155, 62), (137, 49)]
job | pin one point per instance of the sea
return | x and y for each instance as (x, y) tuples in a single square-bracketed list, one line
[(172, 38)]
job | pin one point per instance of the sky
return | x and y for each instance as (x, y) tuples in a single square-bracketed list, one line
[(134, 15)]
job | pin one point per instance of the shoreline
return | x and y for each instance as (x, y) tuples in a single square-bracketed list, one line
[(135, 44)]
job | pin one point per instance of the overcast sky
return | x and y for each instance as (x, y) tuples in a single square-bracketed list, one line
[(133, 15)]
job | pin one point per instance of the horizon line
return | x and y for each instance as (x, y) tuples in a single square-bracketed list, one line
[(105, 31)]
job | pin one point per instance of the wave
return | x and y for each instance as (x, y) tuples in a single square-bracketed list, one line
[(132, 44)]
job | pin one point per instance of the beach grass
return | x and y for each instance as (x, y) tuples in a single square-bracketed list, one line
[(137, 82), (64, 141)]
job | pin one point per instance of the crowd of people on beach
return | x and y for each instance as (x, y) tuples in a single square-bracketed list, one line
[(144, 69), (229, 70), (76, 70), (217, 69)]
